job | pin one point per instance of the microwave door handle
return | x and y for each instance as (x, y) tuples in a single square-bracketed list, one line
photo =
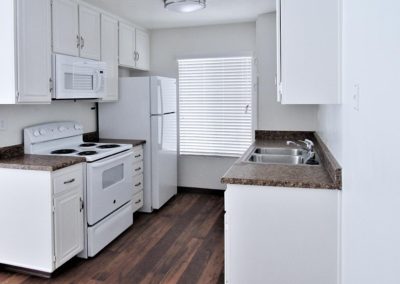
[(99, 81)]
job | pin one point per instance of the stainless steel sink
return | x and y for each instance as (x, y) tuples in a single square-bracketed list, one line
[(286, 156), (279, 151), (276, 159)]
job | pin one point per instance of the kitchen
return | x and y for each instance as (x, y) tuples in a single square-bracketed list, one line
[(248, 203)]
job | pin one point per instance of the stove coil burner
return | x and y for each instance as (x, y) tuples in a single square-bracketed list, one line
[(63, 151), (85, 145), (108, 146), (87, 153)]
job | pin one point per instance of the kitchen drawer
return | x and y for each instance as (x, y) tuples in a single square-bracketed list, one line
[(137, 183), (138, 168), (137, 154), (137, 201), (68, 178)]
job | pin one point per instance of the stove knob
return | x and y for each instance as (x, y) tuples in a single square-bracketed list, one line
[(78, 127), (42, 131), (36, 133), (62, 128)]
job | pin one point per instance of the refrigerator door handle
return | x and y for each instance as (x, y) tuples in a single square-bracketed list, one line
[(160, 94), (160, 131)]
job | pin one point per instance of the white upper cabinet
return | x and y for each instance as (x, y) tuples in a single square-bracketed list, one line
[(134, 47), (89, 30), (34, 63), (76, 29), (25, 76), (142, 50), (126, 45), (66, 38), (309, 40), (109, 54)]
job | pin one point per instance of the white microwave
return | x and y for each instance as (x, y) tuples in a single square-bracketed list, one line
[(78, 78)]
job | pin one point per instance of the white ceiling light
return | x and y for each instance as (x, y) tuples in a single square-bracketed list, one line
[(184, 6)]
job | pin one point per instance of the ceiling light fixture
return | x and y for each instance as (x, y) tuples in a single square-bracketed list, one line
[(184, 6)]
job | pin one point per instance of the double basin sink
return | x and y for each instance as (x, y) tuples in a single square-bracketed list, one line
[(288, 156)]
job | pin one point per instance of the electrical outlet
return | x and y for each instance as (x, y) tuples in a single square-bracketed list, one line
[(2, 125), (356, 97)]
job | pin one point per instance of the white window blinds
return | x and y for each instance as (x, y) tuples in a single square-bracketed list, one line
[(215, 106)]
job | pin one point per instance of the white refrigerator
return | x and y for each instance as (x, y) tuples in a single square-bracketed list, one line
[(146, 110)]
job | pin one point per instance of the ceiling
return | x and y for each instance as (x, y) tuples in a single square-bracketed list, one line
[(152, 15)]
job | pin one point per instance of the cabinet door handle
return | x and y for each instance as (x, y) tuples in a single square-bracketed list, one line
[(78, 42), (138, 156), (82, 42), (81, 206), (137, 202), (138, 169), (138, 56), (69, 181), (138, 184), (50, 85)]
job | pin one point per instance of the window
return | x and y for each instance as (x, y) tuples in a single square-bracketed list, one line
[(215, 106)]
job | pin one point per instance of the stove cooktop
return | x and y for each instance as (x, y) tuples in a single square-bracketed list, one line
[(90, 151)]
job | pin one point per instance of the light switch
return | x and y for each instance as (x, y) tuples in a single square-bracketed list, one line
[(356, 97)]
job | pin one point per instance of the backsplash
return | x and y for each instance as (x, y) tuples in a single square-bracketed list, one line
[(16, 117)]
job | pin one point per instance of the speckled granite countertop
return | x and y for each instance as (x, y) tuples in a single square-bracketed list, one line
[(327, 175), (122, 141), (39, 162)]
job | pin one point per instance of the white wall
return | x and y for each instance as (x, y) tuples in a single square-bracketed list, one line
[(17, 117), (271, 114), (368, 140), (167, 45)]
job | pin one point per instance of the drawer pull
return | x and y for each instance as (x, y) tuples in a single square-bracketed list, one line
[(137, 202), (138, 169), (69, 181), (138, 184), (138, 156)]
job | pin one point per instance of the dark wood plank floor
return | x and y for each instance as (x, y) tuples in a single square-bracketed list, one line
[(181, 243)]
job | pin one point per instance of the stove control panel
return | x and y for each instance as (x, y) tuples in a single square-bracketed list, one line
[(51, 131)]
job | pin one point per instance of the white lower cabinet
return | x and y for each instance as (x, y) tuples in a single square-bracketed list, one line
[(45, 230), (137, 178), (281, 235), (68, 214)]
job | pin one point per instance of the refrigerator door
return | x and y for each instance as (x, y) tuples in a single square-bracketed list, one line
[(164, 158), (163, 95)]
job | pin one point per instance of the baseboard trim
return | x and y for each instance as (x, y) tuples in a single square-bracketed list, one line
[(183, 189)]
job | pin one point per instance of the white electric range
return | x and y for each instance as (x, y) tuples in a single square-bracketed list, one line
[(109, 179)]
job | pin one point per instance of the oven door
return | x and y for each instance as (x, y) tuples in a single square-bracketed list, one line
[(109, 185), (78, 78)]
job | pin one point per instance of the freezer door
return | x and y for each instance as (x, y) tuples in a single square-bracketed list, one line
[(164, 159), (163, 95)]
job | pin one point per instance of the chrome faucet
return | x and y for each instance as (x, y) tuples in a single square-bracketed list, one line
[(309, 147)]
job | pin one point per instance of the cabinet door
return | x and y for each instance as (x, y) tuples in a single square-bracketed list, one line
[(142, 50), (68, 223), (65, 27), (34, 51), (126, 45), (109, 54), (89, 29), (309, 46)]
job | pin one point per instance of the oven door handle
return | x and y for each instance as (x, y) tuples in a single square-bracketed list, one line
[(111, 160)]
